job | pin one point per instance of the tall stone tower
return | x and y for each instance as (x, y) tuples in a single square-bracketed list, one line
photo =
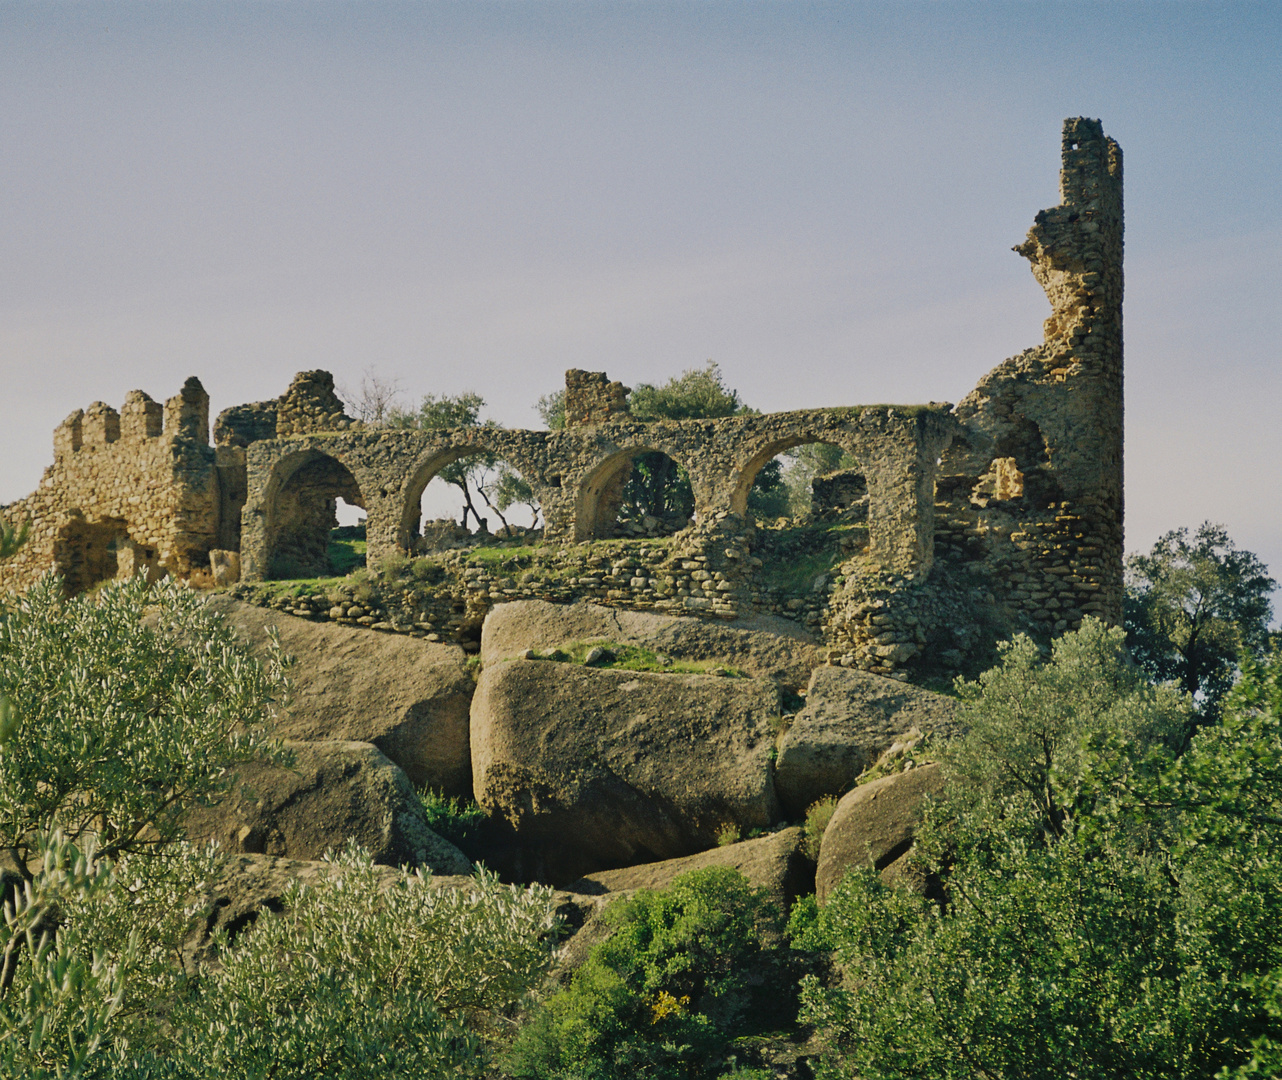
[(1038, 477)]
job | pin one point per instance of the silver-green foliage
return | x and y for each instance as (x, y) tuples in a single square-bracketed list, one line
[(1030, 718), (123, 706), (1112, 908), (58, 992), (356, 980)]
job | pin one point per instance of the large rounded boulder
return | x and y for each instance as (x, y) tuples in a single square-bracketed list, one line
[(408, 697), (607, 768), (874, 826), (763, 646), (850, 719), (332, 792)]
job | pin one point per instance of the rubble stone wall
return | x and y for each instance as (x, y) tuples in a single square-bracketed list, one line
[(134, 491), (573, 471)]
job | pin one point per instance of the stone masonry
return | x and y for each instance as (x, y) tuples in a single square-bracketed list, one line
[(1006, 509)]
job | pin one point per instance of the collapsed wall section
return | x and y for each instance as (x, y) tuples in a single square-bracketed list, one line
[(1034, 491), (1028, 500)]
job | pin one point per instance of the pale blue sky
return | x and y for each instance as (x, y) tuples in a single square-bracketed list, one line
[(820, 197)]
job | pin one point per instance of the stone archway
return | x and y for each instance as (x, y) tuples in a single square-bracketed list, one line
[(602, 492), (759, 456), (300, 512), (430, 464)]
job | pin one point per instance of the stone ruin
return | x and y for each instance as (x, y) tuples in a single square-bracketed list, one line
[(1004, 510)]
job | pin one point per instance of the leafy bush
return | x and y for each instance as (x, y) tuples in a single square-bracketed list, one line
[(350, 980), (12, 537), (57, 994), (458, 820), (125, 707), (662, 995), (1029, 718), (1112, 910), (818, 814)]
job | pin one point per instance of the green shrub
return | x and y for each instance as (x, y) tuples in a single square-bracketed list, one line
[(57, 995), (352, 980), (458, 820), (1111, 909), (12, 537), (662, 996), (818, 814), (729, 834), (125, 706)]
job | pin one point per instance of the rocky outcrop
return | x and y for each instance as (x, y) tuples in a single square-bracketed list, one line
[(850, 719), (610, 768), (874, 825), (766, 647), (408, 697), (333, 793), (775, 863)]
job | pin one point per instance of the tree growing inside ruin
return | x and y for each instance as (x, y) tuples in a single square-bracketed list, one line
[(658, 486), (375, 400), (482, 471), (1195, 605)]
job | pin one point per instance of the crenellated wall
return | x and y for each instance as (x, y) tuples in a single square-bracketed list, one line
[(134, 491)]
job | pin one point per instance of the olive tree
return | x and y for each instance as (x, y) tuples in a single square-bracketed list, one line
[(122, 707), (356, 978)]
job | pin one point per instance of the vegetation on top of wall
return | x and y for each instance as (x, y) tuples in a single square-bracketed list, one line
[(12, 537)]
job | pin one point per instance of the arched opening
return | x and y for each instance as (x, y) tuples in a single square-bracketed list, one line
[(809, 501), (636, 492), (347, 539), (87, 553), (303, 519), (802, 479), (468, 496)]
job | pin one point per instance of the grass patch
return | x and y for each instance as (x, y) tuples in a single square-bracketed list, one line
[(818, 814), (798, 575), (458, 820), (299, 587), (492, 554), (635, 658), (345, 555)]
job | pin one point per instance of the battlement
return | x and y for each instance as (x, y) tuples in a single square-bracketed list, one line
[(184, 416)]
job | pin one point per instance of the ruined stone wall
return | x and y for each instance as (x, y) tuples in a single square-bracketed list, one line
[(1029, 508), (1043, 446), (591, 398), (128, 492), (1000, 514), (573, 473)]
